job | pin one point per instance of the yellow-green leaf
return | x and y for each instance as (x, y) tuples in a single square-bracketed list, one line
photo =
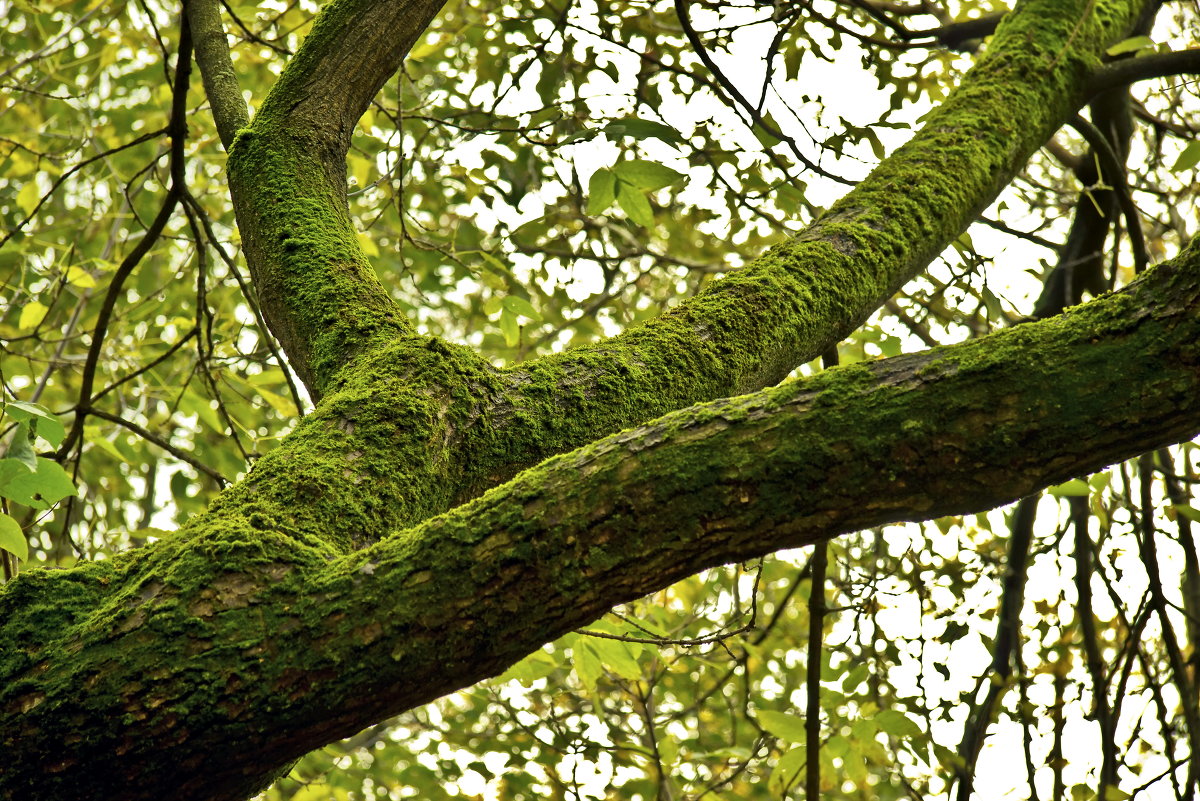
[(518, 305), (510, 327), (1131, 45), (1189, 158), (587, 664), (12, 539), (32, 315), (28, 197), (536, 666), (368, 245), (897, 724), (787, 770), (77, 276), (617, 657), (635, 205), (1074, 487), (783, 725), (1190, 512)]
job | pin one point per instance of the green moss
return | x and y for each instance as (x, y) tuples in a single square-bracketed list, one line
[(320, 294)]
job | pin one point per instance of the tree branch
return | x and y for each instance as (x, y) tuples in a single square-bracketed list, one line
[(216, 69), (328, 645), (287, 175), (1156, 65), (751, 328)]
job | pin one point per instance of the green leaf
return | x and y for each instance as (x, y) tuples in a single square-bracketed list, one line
[(1189, 158), (876, 145), (45, 424), (1075, 487), (855, 677), (581, 135), (494, 264), (638, 128), (783, 725), (602, 191), (617, 657), (786, 770), (643, 174), (21, 449), (10, 469), (897, 724), (40, 489), (635, 205), (518, 305), (587, 663), (856, 768), (12, 539), (97, 437), (1131, 45), (537, 665), (837, 746), (510, 328)]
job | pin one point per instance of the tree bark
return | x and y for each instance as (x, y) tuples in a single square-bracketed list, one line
[(332, 587)]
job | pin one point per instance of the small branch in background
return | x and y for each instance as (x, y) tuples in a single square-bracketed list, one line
[(1116, 180), (812, 710), (177, 131), (153, 438), (1179, 674), (1006, 643), (1091, 644)]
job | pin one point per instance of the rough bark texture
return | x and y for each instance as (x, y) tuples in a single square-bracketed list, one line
[(332, 587)]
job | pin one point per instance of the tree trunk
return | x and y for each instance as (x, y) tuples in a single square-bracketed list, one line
[(351, 576)]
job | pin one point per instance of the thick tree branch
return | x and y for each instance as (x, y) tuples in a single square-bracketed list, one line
[(787, 307), (747, 331), (244, 644), (287, 175), (354, 47)]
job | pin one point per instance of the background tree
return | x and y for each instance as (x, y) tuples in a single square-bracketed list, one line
[(434, 255)]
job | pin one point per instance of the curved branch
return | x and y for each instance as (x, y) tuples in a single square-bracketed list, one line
[(354, 47), (240, 629), (287, 175)]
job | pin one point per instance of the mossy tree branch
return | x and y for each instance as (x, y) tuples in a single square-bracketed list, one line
[(280, 620), (748, 331), (242, 646), (287, 176)]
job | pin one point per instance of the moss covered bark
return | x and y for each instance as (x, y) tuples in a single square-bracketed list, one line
[(325, 592), (196, 668)]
